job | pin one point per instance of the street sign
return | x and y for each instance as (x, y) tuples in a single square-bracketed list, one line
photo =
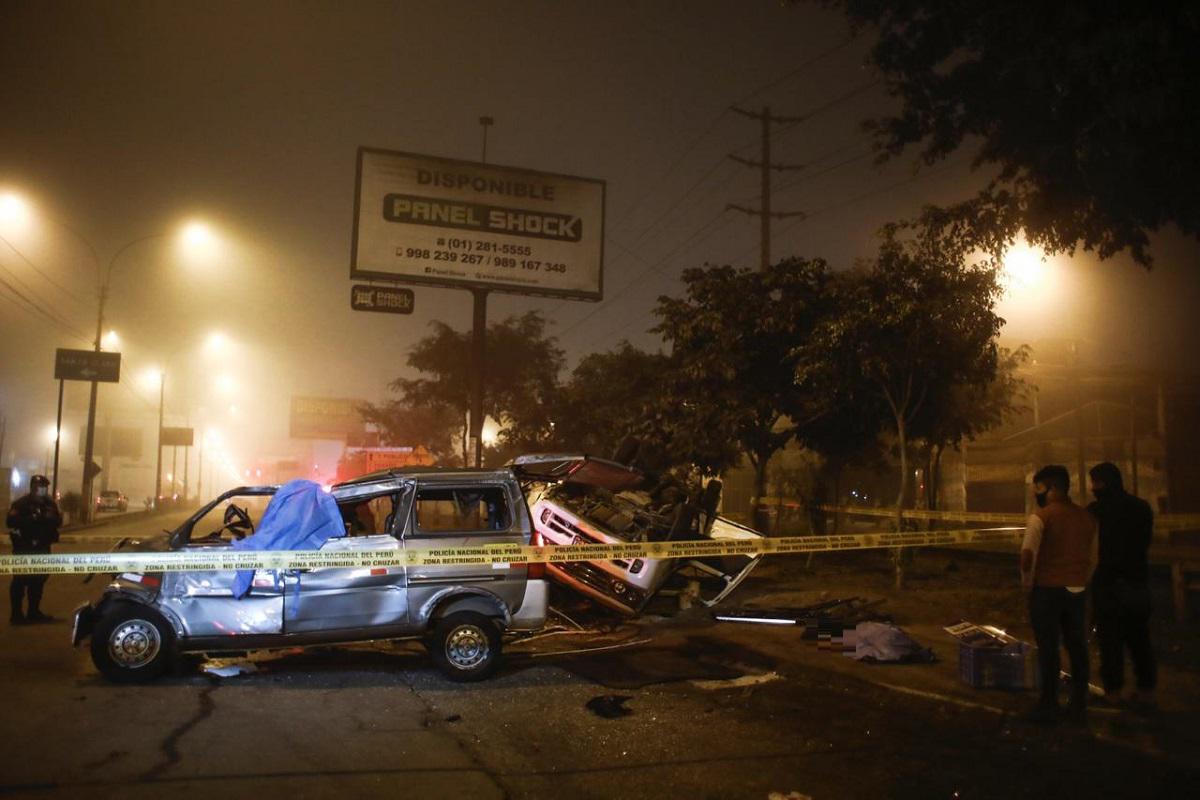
[(86, 365), (176, 437), (469, 225), (381, 298), (92, 470)]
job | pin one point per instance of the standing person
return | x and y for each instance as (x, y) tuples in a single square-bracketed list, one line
[(1058, 556), (33, 522), (1121, 586)]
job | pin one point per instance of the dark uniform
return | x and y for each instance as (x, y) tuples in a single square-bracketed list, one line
[(33, 522), (1121, 584)]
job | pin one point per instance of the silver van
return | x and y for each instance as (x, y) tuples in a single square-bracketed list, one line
[(459, 611)]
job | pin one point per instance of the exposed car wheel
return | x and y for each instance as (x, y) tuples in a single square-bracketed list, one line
[(465, 646), (132, 643)]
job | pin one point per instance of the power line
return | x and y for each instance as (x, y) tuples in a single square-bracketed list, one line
[(703, 232), (34, 310), (687, 151), (29, 297), (39, 271)]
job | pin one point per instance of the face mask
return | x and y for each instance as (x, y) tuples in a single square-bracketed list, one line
[(1042, 498), (43, 492)]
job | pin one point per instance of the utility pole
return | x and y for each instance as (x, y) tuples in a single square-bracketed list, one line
[(764, 164)]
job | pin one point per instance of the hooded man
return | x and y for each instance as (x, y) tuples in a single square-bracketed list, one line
[(1121, 585), (33, 522)]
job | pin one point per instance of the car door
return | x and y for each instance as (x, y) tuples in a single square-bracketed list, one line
[(204, 601), (466, 514), (334, 599)]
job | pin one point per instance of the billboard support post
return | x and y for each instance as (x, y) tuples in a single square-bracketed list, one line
[(478, 360), (57, 439)]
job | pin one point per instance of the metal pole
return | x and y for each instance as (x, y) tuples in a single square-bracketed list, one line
[(90, 437), (485, 122), (57, 440), (174, 468), (478, 353), (162, 385), (200, 471)]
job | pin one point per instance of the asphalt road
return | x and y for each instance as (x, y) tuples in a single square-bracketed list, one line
[(715, 711)]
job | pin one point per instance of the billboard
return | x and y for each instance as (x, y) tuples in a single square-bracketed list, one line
[(464, 224), (177, 437), (325, 418)]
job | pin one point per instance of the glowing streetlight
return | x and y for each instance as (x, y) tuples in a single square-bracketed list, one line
[(216, 344), (15, 211), (151, 378), (1024, 265), (110, 340), (197, 236), (51, 434), (226, 385)]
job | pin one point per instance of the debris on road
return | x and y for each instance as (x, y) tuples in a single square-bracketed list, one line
[(224, 668), (738, 683), (989, 658), (609, 706), (884, 643)]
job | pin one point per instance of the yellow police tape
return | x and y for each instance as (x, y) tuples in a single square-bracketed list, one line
[(1162, 522), (192, 560)]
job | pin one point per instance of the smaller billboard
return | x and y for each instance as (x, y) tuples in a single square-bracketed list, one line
[(177, 437), (325, 418), (386, 299), (117, 441)]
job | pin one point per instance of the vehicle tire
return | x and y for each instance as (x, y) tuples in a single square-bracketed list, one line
[(465, 646), (132, 643)]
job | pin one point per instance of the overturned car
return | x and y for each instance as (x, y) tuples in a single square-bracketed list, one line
[(579, 499)]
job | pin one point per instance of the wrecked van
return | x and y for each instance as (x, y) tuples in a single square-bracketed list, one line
[(458, 611), (580, 499)]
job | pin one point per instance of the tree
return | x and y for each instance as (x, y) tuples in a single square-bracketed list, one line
[(1085, 112), (732, 381), (966, 410), (612, 395), (915, 324), (523, 365)]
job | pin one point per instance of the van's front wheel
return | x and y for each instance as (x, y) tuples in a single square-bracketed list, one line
[(132, 644), (465, 646)]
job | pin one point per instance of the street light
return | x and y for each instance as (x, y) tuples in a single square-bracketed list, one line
[(110, 340), (14, 210), (193, 234)]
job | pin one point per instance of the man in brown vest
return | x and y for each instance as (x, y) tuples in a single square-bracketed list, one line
[(1058, 556)]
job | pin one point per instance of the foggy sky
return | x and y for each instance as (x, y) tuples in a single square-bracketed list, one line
[(122, 119)]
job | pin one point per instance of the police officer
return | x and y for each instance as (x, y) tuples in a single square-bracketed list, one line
[(33, 522)]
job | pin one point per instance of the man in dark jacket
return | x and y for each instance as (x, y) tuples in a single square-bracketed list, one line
[(1121, 586), (33, 522)]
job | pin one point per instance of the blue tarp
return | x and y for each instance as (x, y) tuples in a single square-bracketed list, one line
[(301, 516)]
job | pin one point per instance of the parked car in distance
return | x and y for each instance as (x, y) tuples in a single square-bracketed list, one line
[(459, 611), (111, 500)]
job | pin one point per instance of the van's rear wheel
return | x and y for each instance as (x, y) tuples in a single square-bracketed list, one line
[(132, 644), (465, 646)]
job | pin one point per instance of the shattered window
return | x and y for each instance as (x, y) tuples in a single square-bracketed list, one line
[(368, 516), (478, 508)]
